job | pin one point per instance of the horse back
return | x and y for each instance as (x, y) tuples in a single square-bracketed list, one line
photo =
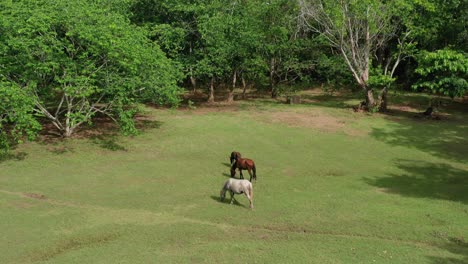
[(248, 163)]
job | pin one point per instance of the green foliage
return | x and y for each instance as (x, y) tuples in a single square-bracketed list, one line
[(332, 69), (288, 90), (78, 58), (222, 38), (17, 119), (435, 24), (377, 78), (443, 72)]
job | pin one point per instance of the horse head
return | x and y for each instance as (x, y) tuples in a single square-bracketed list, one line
[(222, 194), (234, 156)]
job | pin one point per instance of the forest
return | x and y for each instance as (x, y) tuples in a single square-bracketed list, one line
[(64, 62)]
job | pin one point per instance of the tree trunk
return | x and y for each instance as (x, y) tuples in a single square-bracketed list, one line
[(211, 96), (244, 87), (193, 81), (68, 132), (370, 101), (383, 100), (230, 98), (274, 93)]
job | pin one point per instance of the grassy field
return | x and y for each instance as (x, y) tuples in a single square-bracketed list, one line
[(333, 186)]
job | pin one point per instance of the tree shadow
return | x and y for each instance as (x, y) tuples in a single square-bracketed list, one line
[(425, 180), (331, 101), (109, 142), (59, 149), (102, 131), (446, 138), (143, 123), (227, 200), (456, 246), (6, 156)]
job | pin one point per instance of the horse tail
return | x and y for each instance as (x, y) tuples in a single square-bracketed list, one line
[(251, 195), (254, 172)]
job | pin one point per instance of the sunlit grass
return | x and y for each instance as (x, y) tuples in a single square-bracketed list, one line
[(370, 190)]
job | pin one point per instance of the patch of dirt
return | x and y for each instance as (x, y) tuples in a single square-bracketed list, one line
[(102, 126), (217, 107), (382, 190), (309, 101), (35, 196), (59, 149), (333, 173), (71, 244), (21, 205), (356, 132), (314, 119), (288, 172), (404, 108), (400, 112)]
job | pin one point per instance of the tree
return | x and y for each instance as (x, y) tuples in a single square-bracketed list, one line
[(76, 59), (280, 47), (355, 28), (389, 57), (173, 26), (443, 72), (216, 26), (434, 25), (16, 115)]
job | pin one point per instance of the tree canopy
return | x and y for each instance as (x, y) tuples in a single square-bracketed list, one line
[(68, 61), (76, 59)]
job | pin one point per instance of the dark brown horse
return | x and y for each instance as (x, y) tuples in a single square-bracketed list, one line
[(243, 164), (234, 156)]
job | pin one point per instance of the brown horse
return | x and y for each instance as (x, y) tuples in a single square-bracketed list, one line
[(243, 164), (234, 156)]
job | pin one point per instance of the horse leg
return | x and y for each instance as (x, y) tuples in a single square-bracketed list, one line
[(240, 171), (232, 196), (250, 198), (250, 173)]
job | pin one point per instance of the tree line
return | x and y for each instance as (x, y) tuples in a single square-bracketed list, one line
[(65, 62)]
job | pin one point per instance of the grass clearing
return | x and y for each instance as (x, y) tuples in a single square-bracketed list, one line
[(375, 188)]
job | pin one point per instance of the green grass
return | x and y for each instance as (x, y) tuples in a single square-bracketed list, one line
[(376, 189)]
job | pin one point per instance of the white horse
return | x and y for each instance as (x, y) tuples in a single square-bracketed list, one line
[(235, 186)]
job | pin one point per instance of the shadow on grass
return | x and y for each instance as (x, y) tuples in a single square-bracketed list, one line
[(12, 156), (59, 149), (226, 164), (101, 126), (144, 124), (445, 139), (227, 175), (456, 246), (227, 200), (109, 142), (425, 180), (332, 101)]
